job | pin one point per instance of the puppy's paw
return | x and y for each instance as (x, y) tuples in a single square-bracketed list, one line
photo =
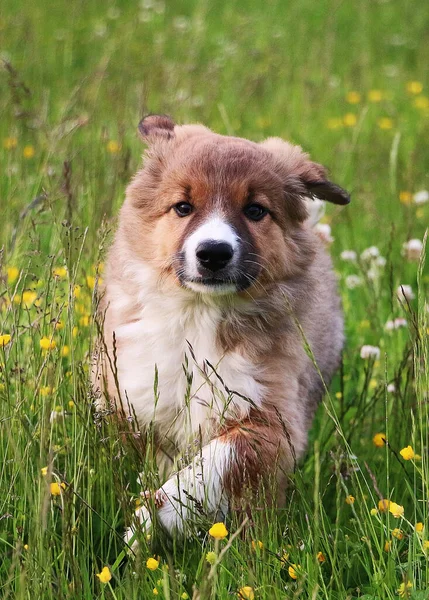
[(142, 522)]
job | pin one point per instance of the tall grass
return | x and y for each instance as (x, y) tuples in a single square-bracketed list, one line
[(76, 78)]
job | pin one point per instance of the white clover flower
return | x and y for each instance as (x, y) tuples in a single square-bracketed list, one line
[(353, 281), (412, 249), (405, 292), (323, 230), (396, 324), (380, 261), (389, 326), (373, 274), (421, 197), (348, 255), (391, 388), (367, 352), (370, 253)]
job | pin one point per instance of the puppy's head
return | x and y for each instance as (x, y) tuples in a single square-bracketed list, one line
[(219, 214)]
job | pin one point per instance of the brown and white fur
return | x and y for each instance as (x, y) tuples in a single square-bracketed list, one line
[(237, 295)]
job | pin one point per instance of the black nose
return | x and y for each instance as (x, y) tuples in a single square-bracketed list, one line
[(214, 255)]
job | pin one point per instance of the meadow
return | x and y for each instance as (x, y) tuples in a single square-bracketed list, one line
[(349, 82)]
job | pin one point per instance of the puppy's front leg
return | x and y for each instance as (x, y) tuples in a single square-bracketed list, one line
[(246, 455)]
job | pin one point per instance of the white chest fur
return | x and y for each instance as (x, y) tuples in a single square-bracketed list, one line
[(178, 340)]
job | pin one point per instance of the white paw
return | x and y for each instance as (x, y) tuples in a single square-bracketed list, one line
[(142, 522)]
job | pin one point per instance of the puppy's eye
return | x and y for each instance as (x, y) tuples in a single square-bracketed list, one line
[(183, 209), (255, 212)]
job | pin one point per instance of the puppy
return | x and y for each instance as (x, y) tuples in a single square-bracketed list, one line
[(217, 285)]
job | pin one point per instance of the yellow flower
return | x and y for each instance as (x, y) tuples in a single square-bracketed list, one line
[(113, 147), (407, 453), (414, 87), (338, 395), (47, 344), (246, 592), (44, 471), (211, 557), (397, 533), (421, 102), (12, 274), (294, 571), (383, 505), (404, 589), (84, 321), (257, 544), (385, 123), (387, 546), (405, 197), (9, 143), (4, 339), (28, 152), (373, 512), (396, 510), (218, 531), (75, 331), (76, 291), (65, 351), (379, 440), (71, 404), (59, 325), (184, 596), (155, 592), (46, 390), (426, 545), (334, 123), (419, 527), (350, 120), (321, 557), (353, 97), (105, 576), (152, 564), (55, 488), (26, 546), (375, 95), (28, 298), (60, 272), (350, 499)]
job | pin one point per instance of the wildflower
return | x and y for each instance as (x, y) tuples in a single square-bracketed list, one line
[(47, 344), (184, 596), (375, 95), (412, 249), (387, 546), (383, 505), (71, 404), (373, 512), (396, 510), (44, 471), (45, 390), (370, 253), (55, 488), (419, 527), (218, 531), (367, 352), (105, 576), (294, 571), (350, 499), (10, 143), (350, 120), (405, 291), (211, 557), (353, 97), (404, 589), (385, 123), (113, 147), (65, 351), (414, 87), (405, 197), (391, 388), (397, 533), (353, 281), (421, 197), (321, 557), (379, 440), (152, 564), (76, 291), (246, 592), (84, 321), (155, 592), (421, 102), (12, 274), (257, 544), (407, 453), (60, 272), (28, 152), (28, 298), (323, 230), (4, 339), (26, 546), (338, 395), (90, 281), (348, 255)]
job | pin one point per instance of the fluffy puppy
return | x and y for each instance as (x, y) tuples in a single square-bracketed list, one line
[(217, 282)]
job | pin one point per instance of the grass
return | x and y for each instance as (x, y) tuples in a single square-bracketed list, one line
[(76, 78)]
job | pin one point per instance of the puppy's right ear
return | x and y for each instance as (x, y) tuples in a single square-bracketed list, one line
[(156, 127)]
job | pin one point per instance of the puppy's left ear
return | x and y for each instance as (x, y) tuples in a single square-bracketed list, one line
[(156, 127), (318, 185)]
